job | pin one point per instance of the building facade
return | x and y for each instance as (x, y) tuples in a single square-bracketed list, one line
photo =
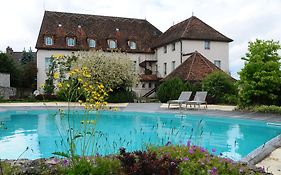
[(154, 54)]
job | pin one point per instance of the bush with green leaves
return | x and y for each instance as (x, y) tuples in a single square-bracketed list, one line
[(8, 65), (121, 95), (260, 79), (171, 89), (220, 87)]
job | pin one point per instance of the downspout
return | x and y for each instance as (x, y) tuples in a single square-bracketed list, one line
[(181, 50)]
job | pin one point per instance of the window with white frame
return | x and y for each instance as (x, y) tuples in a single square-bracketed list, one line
[(70, 41), (165, 49), (48, 40), (112, 44), (173, 46), (165, 69), (47, 63), (92, 43), (207, 45), (217, 63), (173, 65), (132, 45)]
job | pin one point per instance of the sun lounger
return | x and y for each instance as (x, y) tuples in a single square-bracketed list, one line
[(199, 98), (183, 98)]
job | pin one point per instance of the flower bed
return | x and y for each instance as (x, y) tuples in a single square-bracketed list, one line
[(169, 159)]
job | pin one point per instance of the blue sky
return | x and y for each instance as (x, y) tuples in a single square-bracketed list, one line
[(241, 20)]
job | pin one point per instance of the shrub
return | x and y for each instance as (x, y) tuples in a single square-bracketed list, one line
[(262, 108), (220, 87), (98, 166), (121, 95), (146, 162), (171, 89), (8, 65), (197, 160)]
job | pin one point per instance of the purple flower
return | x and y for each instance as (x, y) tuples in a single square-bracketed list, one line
[(241, 170), (190, 151), (185, 159), (214, 171), (220, 154), (214, 150), (173, 163), (202, 150), (65, 162), (188, 143)]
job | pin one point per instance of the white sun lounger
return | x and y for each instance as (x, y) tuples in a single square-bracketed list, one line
[(183, 98)]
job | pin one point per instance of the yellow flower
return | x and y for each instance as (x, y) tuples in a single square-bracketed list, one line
[(59, 85), (56, 75), (67, 85)]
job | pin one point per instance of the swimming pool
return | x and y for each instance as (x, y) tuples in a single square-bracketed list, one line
[(43, 132)]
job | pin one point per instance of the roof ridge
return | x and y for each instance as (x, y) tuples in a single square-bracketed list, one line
[(186, 28), (191, 64), (87, 14)]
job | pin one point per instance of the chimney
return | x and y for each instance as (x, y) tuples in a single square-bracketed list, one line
[(9, 51)]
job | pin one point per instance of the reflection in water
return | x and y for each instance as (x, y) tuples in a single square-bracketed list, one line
[(233, 135), (44, 132)]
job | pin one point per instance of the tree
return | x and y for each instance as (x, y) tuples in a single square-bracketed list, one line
[(29, 70), (220, 86), (260, 79), (171, 89), (8, 65)]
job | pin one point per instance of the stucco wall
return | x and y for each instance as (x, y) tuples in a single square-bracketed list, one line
[(217, 51), (4, 80), (7, 92)]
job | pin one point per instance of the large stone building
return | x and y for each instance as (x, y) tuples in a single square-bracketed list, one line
[(155, 54)]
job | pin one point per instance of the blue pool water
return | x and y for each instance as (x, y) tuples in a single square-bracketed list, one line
[(45, 132)]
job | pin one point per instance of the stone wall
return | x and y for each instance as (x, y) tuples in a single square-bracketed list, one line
[(7, 92), (4, 80)]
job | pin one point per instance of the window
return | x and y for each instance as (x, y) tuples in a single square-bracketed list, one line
[(165, 68), (143, 85), (135, 65), (137, 85), (112, 44), (207, 45), (149, 85), (173, 65), (217, 63), (132, 44), (92, 43), (47, 64), (173, 46), (165, 49), (70, 41), (48, 40)]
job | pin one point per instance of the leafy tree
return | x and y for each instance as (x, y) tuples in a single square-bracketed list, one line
[(171, 89), (220, 86), (29, 70), (260, 79), (8, 65), (27, 57)]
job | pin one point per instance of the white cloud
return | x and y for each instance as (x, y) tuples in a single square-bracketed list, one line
[(238, 19)]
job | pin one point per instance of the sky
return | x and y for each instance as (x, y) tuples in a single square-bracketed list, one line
[(240, 20)]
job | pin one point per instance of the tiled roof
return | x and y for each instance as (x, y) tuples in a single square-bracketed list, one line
[(60, 25), (194, 68), (190, 29), (152, 77)]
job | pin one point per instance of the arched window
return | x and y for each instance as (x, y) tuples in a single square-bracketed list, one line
[(132, 44), (91, 43), (112, 44), (70, 41), (48, 40)]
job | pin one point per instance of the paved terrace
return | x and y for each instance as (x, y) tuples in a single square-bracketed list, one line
[(272, 163)]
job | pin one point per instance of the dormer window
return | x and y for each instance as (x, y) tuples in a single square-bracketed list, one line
[(92, 43), (70, 41), (48, 41), (132, 44), (112, 44)]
